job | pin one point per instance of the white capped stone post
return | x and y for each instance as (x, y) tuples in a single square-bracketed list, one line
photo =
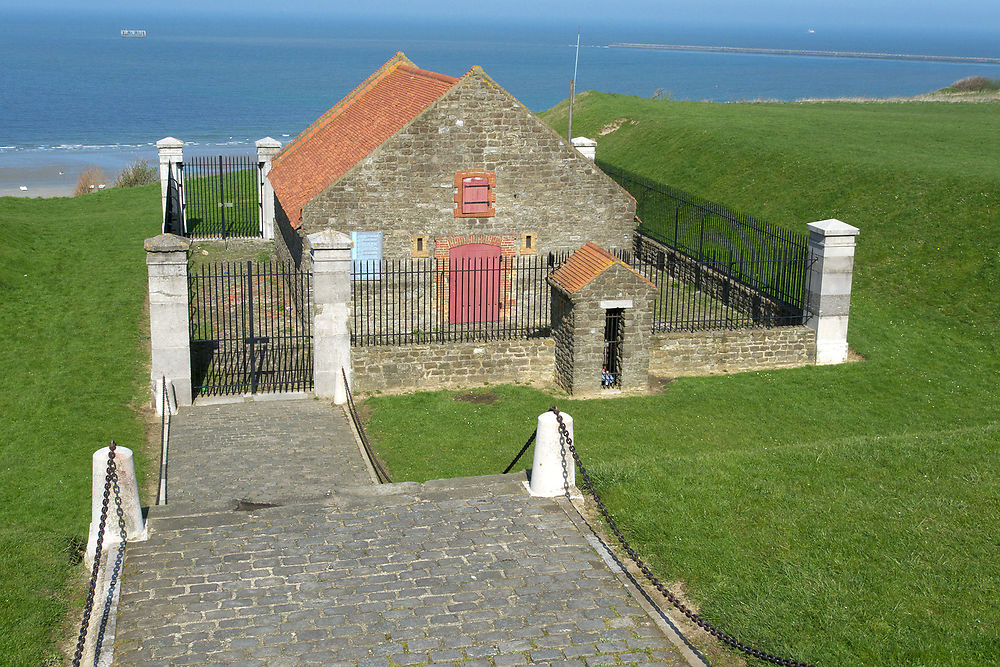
[(828, 287), (586, 146), (267, 148), (166, 263), (552, 459), (135, 527), (330, 252), (171, 155)]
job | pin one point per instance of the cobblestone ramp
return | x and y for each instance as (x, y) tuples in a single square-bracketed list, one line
[(470, 572), (260, 451)]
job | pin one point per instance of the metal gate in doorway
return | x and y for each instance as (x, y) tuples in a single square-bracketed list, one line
[(614, 334), (222, 197), (250, 328)]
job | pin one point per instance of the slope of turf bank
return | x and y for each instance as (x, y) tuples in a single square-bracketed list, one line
[(842, 515), (72, 285)]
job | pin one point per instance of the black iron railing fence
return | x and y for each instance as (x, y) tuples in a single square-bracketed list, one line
[(250, 328), (762, 256), (397, 302), (222, 196), (700, 295), (401, 302)]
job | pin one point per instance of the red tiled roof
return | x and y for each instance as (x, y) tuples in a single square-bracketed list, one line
[(584, 265), (358, 124)]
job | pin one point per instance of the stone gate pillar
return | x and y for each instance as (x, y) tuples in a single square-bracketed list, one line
[(586, 146), (267, 148), (171, 156), (330, 253), (828, 287), (166, 263)]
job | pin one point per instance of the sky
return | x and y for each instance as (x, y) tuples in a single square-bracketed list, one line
[(930, 14)]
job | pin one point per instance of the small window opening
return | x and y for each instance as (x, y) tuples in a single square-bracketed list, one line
[(614, 332), (420, 247), (529, 244)]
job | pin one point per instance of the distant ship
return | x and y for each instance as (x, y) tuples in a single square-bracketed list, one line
[(133, 33)]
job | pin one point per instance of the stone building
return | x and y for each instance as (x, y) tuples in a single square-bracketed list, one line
[(418, 164), (602, 315)]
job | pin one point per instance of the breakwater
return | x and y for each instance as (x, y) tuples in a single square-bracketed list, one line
[(810, 53)]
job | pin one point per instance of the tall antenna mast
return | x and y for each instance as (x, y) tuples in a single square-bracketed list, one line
[(572, 86)]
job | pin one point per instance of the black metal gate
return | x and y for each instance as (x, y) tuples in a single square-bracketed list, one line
[(173, 217), (251, 328), (222, 196), (614, 333)]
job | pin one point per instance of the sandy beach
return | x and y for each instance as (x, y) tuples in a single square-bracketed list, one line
[(55, 172), (51, 173)]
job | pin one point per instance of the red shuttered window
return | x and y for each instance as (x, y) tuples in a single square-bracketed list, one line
[(475, 193)]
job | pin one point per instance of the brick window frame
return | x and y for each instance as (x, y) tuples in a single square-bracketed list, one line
[(479, 179)]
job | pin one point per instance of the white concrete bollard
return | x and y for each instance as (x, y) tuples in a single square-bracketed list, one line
[(547, 469), (129, 488)]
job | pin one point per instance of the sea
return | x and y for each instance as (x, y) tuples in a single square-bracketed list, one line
[(75, 93)]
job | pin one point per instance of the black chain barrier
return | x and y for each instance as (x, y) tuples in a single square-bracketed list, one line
[(161, 489), (517, 458), (110, 484), (566, 441), (380, 473)]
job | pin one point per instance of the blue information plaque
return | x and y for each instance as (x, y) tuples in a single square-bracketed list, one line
[(366, 255)]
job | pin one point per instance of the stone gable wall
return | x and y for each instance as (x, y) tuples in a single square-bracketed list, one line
[(405, 188), (730, 351)]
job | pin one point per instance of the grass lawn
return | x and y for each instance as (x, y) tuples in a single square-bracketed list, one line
[(74, 359), (840, 515)]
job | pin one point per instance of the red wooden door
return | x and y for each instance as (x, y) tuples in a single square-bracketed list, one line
[(474, 283)]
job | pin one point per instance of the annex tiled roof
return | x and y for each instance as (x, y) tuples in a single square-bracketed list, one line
[(584, 265), (358, 124)]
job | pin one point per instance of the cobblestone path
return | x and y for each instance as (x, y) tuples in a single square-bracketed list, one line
[(260, 451), (470, 571)]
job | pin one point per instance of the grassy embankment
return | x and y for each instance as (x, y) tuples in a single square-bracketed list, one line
[(843, 515), (72, 285)]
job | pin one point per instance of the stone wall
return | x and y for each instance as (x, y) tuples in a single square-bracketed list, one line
[(451, 365), (406, 187), (288, 244), (562, 334), (730, 351)]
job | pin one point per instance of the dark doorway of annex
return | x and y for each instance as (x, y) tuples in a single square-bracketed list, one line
[(614, 332)]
